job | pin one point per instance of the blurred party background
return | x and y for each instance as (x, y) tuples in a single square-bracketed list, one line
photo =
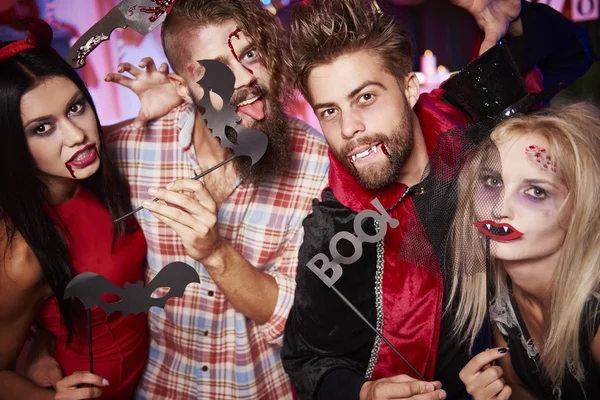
[(443, 33)]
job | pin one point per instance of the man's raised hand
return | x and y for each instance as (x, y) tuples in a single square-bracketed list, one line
[(494, 18), (153, 87)]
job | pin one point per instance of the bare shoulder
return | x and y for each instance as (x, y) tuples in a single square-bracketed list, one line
[(22, 291), (19, 267), (596, 348)]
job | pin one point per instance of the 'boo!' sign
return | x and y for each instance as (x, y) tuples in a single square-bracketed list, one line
[(360, 236)]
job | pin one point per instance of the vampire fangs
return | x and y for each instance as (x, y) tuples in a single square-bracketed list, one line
[(502, 232)]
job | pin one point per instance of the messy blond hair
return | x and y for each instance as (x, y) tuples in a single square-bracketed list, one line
[(322, 31), (573, 134)]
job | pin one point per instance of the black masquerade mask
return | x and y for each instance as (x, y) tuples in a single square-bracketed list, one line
[(133, 298)]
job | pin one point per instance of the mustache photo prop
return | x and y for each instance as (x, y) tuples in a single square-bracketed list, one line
[(218, 78), (134, 298)]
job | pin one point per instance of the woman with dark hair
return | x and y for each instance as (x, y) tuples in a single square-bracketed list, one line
[(59, 195)]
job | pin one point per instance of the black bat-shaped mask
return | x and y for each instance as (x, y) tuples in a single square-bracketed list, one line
[(134, 297), (219, 79)]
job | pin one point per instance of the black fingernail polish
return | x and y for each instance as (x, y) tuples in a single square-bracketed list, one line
[(502, 350)]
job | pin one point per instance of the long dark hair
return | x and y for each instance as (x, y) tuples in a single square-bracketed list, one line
[(23, 196)]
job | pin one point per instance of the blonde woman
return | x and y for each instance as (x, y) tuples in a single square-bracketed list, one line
[(533, 194)]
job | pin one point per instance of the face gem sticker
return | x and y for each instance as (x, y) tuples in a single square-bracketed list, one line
[(541, 158)]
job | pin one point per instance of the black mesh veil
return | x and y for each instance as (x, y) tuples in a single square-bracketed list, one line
[(461, 190), (454, 228), (455, 184), (490, 89)]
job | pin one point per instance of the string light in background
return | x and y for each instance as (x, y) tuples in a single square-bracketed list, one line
[(274, 5)]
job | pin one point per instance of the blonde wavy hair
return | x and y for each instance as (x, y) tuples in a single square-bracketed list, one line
[(573, 134)]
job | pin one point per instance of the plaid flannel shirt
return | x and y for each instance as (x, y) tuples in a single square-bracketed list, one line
[(201, 347)]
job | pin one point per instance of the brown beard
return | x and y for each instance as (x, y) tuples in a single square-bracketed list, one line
[(398, 147), (277, 157)]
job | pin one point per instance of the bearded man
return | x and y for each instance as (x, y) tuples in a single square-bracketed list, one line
[(240, 227)]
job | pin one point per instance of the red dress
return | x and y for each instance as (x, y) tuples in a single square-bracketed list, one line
[(120, 345)]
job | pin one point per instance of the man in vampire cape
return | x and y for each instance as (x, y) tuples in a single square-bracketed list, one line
[(353, 64)]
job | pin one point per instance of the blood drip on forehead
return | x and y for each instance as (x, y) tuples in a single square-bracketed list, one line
[(236, 34), (233, 34)]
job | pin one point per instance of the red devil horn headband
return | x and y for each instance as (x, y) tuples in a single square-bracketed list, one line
[(40, 36)]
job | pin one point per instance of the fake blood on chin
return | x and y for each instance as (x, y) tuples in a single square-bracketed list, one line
[(91, 154)]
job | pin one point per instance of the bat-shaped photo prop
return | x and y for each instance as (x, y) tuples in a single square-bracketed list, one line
[(219, 79), (140, 15), (134, 298)]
